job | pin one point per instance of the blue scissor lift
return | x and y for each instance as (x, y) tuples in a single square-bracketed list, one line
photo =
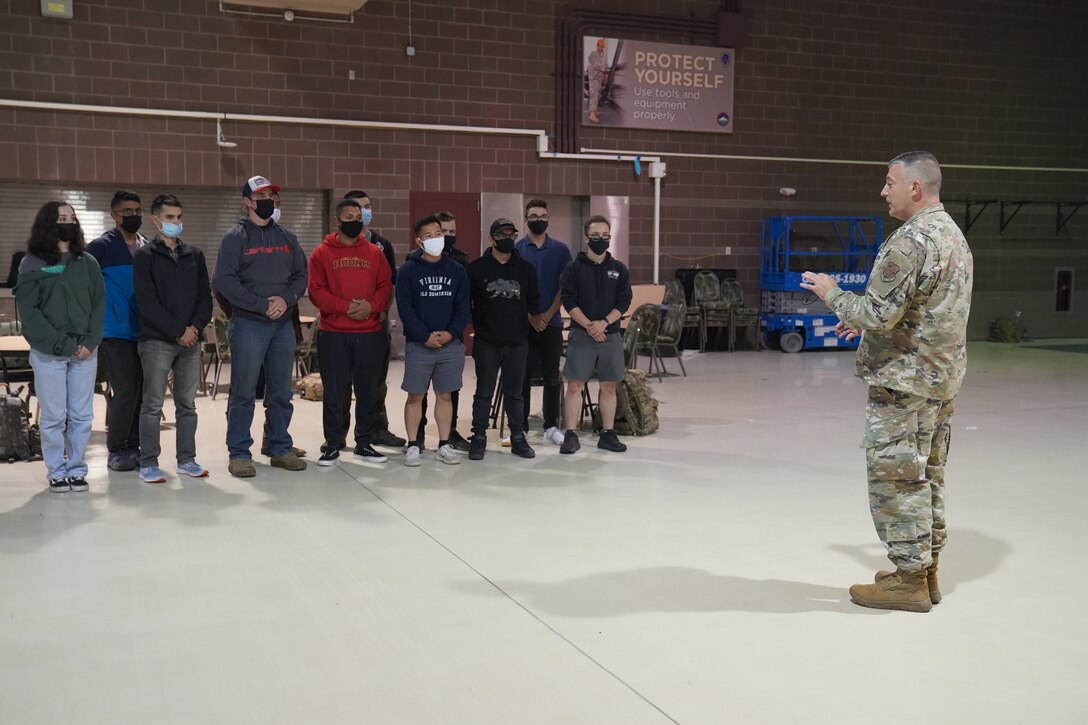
[(844, 247)]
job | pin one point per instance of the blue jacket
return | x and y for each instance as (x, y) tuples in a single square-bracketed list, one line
[(116, 263), (431, 297)]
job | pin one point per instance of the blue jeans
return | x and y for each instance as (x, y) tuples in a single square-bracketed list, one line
[(65, 390), (254, 343), (158, 358)]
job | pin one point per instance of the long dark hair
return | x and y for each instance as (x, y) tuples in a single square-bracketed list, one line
[(45, 237)]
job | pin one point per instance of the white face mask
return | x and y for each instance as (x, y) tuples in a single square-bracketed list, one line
[(276, 215), (434, 246)]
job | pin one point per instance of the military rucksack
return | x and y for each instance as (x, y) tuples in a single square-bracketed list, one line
[(19, 441), (310, 387), (636, 407)]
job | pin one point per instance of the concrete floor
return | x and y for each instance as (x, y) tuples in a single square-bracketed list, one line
[(699, 578)]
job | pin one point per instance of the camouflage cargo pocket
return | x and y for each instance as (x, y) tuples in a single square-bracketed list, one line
[(891, 448)]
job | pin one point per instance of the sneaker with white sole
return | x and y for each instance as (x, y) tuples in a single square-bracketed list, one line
[(329, 455), (151, 474), (368, 454), (554, 435), (447, 454), (192, 469), (412, 456), (506, 442), (77, 483), (59, 485)]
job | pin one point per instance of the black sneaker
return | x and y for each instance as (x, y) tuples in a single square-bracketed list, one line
[(570, 443), (58, 485), (610, 442), (329, 455), (325, 446), (386, 438), (477, 447), (520, 447), (458, 442), (77, 483), (368, 454)]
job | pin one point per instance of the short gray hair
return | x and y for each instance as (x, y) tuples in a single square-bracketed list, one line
[(923, 166)]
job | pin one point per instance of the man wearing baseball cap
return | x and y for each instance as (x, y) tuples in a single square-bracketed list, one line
[(261, 270), (504, 296)]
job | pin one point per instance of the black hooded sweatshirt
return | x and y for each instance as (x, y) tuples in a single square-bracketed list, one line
[(596, 288), (503, 296)]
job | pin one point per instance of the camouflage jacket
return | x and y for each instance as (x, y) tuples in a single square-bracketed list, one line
[(914, 310)]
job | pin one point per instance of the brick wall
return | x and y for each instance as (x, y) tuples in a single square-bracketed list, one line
[(980, 83)]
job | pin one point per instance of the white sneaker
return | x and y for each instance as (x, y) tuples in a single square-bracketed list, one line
[(412, 456), (447, 454), (506, 442), (554, 435)]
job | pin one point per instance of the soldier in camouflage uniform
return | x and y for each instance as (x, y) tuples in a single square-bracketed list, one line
[(597, 70), (913, 325)]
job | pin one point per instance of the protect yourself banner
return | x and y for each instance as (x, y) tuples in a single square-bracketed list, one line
[(633, 84)]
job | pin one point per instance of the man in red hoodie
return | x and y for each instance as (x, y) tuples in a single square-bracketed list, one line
[(350, 283)]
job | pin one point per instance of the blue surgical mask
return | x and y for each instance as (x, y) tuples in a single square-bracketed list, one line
[(276, 215), (367, 216), (169, 229)]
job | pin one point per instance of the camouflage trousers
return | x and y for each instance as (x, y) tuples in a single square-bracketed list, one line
[(906, 447)]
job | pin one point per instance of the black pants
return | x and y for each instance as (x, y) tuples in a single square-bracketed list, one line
[(379, 416), (421, 433), (490, 359), (126, 376), (349, 360), (545, 349)]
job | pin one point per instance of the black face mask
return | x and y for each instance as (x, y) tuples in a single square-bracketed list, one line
[(451, 239), (538, 226), (599, 246), (68, 232), (351, 230), (265, 207), (132, 224), (504, 245)]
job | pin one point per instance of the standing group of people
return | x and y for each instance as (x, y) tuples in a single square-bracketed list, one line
[(144, 301)]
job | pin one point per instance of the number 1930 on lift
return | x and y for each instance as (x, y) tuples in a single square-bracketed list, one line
[(844, 247)]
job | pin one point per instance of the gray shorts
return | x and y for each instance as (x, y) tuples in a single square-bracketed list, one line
[(440, 368), (584, 355)]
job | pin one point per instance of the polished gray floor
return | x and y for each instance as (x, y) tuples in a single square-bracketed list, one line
[(699, 578)]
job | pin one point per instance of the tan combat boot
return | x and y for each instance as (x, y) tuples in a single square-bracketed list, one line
[(931, 580), (289, 462), (903, 590), (241, 468)]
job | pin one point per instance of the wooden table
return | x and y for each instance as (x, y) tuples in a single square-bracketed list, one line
[(14, 344), (307, 319)]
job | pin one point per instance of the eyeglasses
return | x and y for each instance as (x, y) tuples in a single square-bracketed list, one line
[(600, 238), (541, 218)]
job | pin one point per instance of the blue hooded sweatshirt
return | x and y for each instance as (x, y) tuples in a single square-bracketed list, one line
[(431, 297)]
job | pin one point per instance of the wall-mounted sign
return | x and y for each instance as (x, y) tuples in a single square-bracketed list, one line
[(633, 84)]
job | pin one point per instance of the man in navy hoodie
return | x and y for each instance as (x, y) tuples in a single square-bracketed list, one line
[(261, 271), (433, 301), (114, 251)]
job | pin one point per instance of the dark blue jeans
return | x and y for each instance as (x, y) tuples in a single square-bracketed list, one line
[(254, 343)]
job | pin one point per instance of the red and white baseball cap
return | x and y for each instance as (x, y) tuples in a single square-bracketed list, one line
[(258, 183)]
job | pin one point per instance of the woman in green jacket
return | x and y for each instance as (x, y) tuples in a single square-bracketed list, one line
[(62, 302)]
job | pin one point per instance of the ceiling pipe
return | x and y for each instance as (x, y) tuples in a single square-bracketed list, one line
[(540, 135)]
